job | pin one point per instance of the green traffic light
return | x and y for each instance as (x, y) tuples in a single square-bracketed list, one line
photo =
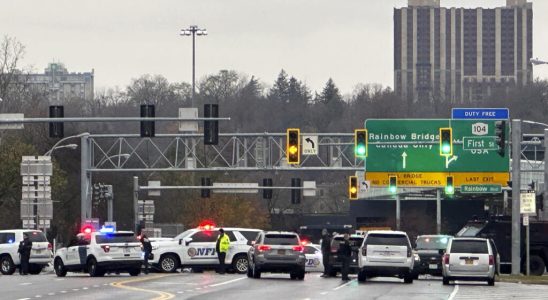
[(393, 189), (446, 148), (449, 190), (360, 150)]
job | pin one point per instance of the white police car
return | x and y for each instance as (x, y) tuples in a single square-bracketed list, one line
[(195, 248), (314, 258), (99, 252), (40, 255)]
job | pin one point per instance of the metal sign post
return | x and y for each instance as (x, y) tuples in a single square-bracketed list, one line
[(527, 207)]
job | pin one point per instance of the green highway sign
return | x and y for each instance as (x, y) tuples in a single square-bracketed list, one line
[(412, 145), (481, 189)]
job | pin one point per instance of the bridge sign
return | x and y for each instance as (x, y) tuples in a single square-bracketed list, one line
[(411, 148)]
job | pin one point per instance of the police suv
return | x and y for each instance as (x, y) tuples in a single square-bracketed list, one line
[(40, 255), (99, 252), (195, 248)]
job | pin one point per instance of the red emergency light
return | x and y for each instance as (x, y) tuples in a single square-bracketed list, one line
[(87, 229)]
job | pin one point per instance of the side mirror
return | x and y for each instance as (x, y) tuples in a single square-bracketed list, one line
[(180, 242), (188, 241)]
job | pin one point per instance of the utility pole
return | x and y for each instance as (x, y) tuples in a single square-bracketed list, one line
[(516, 191)]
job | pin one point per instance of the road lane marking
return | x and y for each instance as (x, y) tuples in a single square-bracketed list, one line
[(454, 293), (51, 294), (323, 293), (23, 299), (226, 282), (343, 285), (26, 283), (161, 295)]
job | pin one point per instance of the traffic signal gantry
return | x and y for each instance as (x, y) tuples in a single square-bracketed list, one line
[(293, 147)]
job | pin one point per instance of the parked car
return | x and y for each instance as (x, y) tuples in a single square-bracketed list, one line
[(40, 256), (335, 264), (277, 252), (430, 249), (469, 259), (314, 258), (386, 254)]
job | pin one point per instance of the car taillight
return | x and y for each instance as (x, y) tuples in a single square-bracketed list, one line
[(491, 260), (298, 248), (409, 252), (106, 248), (364, 251), (446, 259), (263, 248), (50, 246)]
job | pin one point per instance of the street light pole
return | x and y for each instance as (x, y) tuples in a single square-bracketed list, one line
[(193, 30)]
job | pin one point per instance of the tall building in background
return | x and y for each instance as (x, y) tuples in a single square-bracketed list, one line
[(60, 85), (458, 54)]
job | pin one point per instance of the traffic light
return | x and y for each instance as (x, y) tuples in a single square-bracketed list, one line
[(500, 133), (360, 142), (393, 184), (147, 127), (449, 186), (293, 147), (211, 128), (295, 193), (56, 129), (267, 193), (353, 187), (206, 181), (446, 141)]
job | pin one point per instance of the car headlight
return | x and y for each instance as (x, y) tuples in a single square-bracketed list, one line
[(417, 257)]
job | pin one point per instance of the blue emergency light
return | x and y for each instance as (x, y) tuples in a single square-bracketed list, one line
[(107, 229)]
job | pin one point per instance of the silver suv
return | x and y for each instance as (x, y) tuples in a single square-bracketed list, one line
[(386, 253), (277, 252), (469, 259)]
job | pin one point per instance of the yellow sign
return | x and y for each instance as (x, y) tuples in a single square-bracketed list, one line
[(437, 179)]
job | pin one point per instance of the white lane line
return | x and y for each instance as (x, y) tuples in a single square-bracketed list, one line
[(85, 288), (76, 290), (51, 294), (343, 285), (63, 292), (323, 293), (59, 279), (26, 283), (38, 296), (23, 299), (454, 293), (180, 292), (96, 286), (227, 282), (198, 288)]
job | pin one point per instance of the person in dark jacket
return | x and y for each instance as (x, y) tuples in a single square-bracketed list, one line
[(147, 249), (25, 246), (326, 252), (345, 254)]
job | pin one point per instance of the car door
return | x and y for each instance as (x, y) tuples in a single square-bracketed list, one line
[(72, 257), (313, 259), (8, 245), (201, 249)]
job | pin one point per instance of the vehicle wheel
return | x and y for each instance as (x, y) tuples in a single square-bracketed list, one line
[(59, 267), (134, 272), (35, 269), (536, 265), (169, 263), (445, 280), (256, 272), (361, 276), (93, 268), (408, 278), (6, 265), (491, 281), (240, 264), (249, 272), (293, 275), (301, 274)]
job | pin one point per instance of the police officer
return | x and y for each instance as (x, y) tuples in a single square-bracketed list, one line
[(147, 249), (223, 243), (25, 246), (326, 252), (345, 254)]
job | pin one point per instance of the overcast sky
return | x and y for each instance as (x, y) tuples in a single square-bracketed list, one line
[(348, 40)]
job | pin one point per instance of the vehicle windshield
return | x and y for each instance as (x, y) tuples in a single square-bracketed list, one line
[(387, 239), (432, 242), (355, 242), (36, 236), (115, 238), (469, 246), (184, 234), (470, 230), (281, 239)]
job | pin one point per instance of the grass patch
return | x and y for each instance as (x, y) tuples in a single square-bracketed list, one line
[(523, 279)]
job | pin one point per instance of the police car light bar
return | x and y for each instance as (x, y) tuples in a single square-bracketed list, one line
[(107, 229)]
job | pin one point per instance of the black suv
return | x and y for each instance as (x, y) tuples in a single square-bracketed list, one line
[(335, 264), (430, 249)]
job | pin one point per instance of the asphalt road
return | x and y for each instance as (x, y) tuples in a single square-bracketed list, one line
[(209, 285)]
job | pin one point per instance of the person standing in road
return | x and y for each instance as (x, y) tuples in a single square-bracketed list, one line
[(345, 254), (326, 252), (147, 249), (25, 246), (223, 243)]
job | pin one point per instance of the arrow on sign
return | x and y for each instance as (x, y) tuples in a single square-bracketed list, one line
[(308, 140), (448, 161), (404, 156)]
